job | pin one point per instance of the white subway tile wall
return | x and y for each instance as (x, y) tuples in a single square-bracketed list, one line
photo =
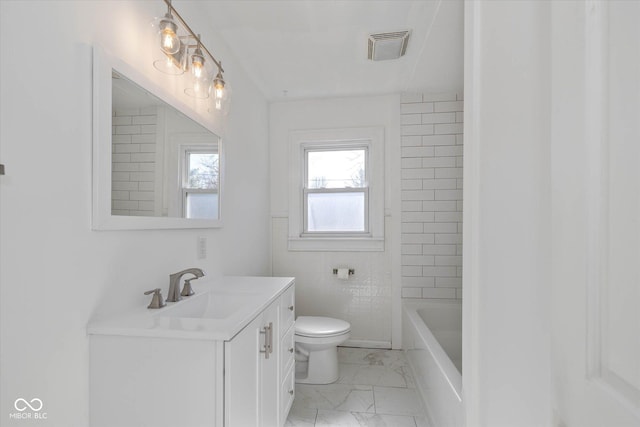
[(431, 188), (133, 162), (363, 300)]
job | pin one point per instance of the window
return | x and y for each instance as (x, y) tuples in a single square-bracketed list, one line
[(200, 183), (337, 190)]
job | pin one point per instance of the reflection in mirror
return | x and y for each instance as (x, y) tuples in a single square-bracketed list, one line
[(164, 164)]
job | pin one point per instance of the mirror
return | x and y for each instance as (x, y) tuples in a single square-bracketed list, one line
[(155, 165), (163, 163)]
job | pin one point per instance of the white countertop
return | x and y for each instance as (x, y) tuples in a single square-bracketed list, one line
[(255, 294)]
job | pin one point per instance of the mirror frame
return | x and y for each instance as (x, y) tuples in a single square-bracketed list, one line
[(102, 219)]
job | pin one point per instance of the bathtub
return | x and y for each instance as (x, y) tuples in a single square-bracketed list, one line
[(432, 342)]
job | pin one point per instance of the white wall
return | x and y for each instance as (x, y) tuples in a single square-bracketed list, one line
[(55, 273), (365, 300), (506, 326)]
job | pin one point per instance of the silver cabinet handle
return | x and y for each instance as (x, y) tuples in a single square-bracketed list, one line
[(268, 340)]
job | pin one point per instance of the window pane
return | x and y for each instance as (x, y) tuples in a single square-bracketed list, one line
[(335, 212), (203, 170), (336, 169), (202, 205)]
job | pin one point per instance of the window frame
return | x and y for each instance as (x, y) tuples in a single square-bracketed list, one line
[(306, 190), (302, 141)]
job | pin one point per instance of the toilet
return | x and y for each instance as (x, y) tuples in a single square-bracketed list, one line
[(317, 340)]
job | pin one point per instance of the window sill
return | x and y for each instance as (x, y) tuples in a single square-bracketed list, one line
[(336, 244)]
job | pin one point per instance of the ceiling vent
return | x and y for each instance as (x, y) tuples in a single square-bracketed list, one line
[(383, 46)]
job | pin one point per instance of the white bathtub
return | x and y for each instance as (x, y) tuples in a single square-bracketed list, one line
[(432, 342)]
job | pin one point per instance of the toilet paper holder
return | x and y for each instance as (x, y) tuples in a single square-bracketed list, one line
[(351, 271)]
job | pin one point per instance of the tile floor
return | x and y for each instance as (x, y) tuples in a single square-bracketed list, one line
[(375, 388)]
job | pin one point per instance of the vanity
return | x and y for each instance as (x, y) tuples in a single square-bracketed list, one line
[(222, 357)]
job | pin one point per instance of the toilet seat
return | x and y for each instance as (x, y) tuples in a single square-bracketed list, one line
[(316, 326)]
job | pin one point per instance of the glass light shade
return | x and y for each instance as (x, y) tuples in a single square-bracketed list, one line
[(174, 65), (220, 95), (199, 88), (197, 64), (169, 40)]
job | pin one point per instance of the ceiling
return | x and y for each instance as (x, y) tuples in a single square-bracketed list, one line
[(318, 48)]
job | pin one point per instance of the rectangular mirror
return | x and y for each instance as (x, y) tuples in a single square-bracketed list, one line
[(155, 165)]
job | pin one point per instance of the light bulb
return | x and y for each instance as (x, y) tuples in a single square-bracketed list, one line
[(218, 91), (169, 40), (197, 64), (197, 70), (220, 95)]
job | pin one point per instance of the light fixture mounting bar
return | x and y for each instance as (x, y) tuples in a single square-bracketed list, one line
[(193, 34)]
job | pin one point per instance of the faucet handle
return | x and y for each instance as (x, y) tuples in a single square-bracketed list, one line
[(187, 290), (156, 300)]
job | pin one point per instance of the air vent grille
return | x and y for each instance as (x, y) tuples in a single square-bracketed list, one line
[(383, 46)]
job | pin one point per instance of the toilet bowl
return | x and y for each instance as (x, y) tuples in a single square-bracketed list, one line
[(317, 340)]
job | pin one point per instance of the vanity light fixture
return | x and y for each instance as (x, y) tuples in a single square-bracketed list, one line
[(181, 53), (199, 87), (197, 63), (169, 41), (220, 93)]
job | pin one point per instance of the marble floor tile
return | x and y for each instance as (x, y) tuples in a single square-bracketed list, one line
[(398, 401), (423, 422), (372, 356), (300, 416), (338, 397), (375, 388), (355, 373), (357, 419)]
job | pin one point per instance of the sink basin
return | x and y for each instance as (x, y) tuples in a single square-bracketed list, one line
[(210, 305), (219, 310)]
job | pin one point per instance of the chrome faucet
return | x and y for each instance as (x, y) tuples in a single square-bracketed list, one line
[(174, 283)]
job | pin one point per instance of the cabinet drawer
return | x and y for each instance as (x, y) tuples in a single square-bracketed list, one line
[(287, 308), (287, 350), (287, 393)]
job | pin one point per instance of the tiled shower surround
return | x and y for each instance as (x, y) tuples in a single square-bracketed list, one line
[(431, 171)]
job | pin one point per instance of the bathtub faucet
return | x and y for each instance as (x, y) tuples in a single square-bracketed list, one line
[(174, 282)]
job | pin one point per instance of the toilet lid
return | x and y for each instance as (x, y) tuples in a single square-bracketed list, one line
[(313, 326)]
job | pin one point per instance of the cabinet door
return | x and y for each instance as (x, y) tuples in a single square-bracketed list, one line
[(253, 372), (242, 359), (269, 376)]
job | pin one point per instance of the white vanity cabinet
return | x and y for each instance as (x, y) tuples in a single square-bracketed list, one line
[(181, 371), (259, 367)]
